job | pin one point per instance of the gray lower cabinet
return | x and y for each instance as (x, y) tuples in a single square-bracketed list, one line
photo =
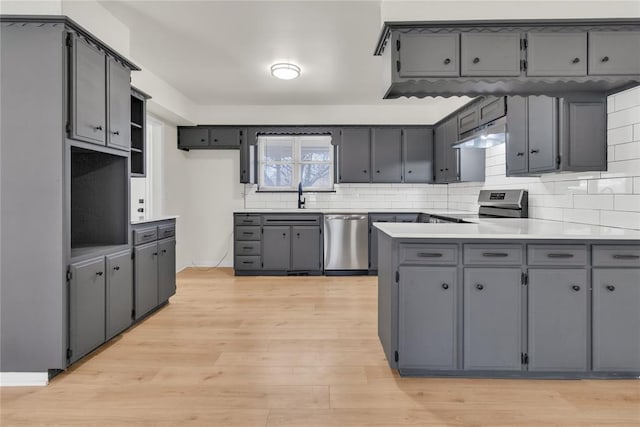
[(492, 319), (616, 319), (276, 243), (119, 293), (373, 237), (386, 155), (354, 155), (558, 305), (146, 278), (306, 248), (428, 318), (166, 269), (86, 307)]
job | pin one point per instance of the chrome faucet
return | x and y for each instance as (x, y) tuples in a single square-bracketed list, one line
[(301, 200)]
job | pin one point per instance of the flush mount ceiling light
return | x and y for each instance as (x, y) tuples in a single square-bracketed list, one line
[(285, 70)]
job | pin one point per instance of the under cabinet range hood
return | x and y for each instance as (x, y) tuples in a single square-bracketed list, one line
[(489, 135)]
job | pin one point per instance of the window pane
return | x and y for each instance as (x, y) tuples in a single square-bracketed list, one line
[(277, 175), (316, 149), (278, 150), (316, 175)]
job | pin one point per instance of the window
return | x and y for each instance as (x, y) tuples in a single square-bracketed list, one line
[(284, 161)]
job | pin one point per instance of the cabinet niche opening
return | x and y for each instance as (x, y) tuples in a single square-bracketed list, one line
[(99, 188)]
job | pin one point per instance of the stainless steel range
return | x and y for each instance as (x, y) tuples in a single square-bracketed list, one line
[(503, 203)]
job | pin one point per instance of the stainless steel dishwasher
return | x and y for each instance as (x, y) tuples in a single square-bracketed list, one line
[(346, 244)]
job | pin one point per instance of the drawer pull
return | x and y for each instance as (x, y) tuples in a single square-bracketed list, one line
[(575, 288), (625, 256), (556, 255), (247, 248), (146, 236), (610, 288), (247, 262), (247, 220), (429, 255), (247, 233), (495, 254), (479, 287), (445, 286)]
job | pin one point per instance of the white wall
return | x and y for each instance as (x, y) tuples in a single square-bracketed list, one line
[(609, 198)]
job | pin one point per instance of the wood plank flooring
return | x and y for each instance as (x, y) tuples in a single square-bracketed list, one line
[(288, 351)]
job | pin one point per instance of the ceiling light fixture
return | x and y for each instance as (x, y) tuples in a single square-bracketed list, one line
[(285, 70)]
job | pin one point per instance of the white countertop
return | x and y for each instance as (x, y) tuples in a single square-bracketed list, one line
[(153, 219), (507, 228), (444, 212)]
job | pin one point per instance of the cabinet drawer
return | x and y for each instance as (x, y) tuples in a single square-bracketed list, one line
[(247, 219), (145, 235), (165, 231), (428, 254), (407, 218), (247, 263), (292, 219), (491, 109), (493, 254), (616, 256), (468, 119), (248, 233), (557, 255), (247, 248)]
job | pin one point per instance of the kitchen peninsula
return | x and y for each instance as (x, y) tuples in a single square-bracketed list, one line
[(509, 298)]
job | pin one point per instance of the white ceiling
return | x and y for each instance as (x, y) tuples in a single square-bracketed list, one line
[(219, 52)]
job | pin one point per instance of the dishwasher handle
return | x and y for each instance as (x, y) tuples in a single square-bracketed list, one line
[(345, 217)]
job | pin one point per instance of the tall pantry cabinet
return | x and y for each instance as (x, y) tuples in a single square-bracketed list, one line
[(65, 113)]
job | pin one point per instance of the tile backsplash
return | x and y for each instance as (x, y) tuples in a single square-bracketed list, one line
[(609, 198)]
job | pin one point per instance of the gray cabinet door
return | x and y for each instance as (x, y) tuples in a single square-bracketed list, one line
[(306, 248), (88, 93), (425, 55), (492, 319), (468, 119), (355, 155), (441, 149), (166, 269), (557, 54), (490, 54), (145, 278), (558, 320), (452, 168), (276, 247), (616, 319), (193, 137), (614, 52), (446, 157), (119, 274), (428, 318), (387, 155), (543, 135), (517, 141), (491, 108), (373, 237), (417, 155), (86, 307), (584, 134), (119, 120), (227, 137)]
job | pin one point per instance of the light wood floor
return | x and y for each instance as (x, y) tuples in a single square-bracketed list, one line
[(288, 351)]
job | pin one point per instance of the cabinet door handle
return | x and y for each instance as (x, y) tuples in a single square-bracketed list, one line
[(202, 140), (284, 234), (520, 153), (364, 171), (155, 254), (534, 151), (447, 61), (575, 60), (99, 273), (298, 235), (429, 255), (410, 171), (610, 288), (116, 132), (476, 60), (479, 287), (445, 286), (625, 256), (164, 251), (99, 127), (554, 255), (377, 171), (116, 268), (605, 59), (575, 288), (495, 254)]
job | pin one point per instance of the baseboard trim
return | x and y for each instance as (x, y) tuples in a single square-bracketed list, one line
[(24, 379)]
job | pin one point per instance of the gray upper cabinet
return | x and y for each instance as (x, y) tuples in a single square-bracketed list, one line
[(491, 108), (119, 119), (558, 307), (193, 137), (276, 253), (557, 54), (226, 137), (306, 247), (119, 291), (428, 318), (614, 53), (492, 319), (417, 155), (543, 134), (424, 55), (517, 156), (490, 54), (86, 307), (166, 269), (88, 93), (387, 155), (468, 119), (616, 319), (146, 278), (446, 134), (355, 155), (584, 133)]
